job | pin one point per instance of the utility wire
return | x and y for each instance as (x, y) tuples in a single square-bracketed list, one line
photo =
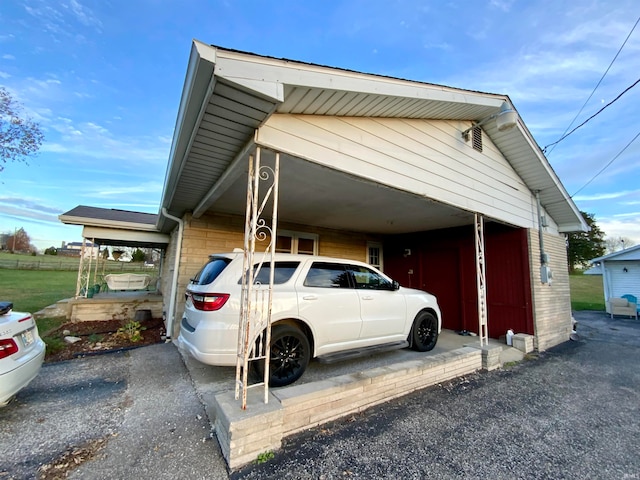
[(594, 89), (594, 115), (607, 165), (600, 172)]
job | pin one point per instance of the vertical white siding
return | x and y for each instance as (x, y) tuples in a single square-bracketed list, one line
[(621, 282), (427, 158)]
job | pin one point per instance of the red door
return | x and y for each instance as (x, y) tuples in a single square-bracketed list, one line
[(441, 277)]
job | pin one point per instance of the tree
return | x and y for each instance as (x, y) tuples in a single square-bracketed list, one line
[(613, 244), (19, 241), (138, 256), (584, 246), (51, 251), (20, 137)]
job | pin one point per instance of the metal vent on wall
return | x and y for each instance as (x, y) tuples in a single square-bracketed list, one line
[(477, 138)]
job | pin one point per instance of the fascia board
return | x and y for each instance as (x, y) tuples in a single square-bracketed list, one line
[(125, 234), (236, 65), (70, 220), (196, 90)]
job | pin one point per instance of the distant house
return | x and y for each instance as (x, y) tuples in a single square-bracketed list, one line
[(74, 249), (4, 237), (620, 272)]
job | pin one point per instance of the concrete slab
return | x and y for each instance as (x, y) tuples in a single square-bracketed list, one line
[(328, 391)]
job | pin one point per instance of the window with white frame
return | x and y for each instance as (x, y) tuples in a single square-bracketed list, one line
[(297, 242), (374, 254)]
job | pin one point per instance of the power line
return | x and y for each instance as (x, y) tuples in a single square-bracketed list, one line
[(599, 173), (607, 165), (594, 115), (594, 88)]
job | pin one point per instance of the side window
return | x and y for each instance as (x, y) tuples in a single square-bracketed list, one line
[(283, 272), (368, 279), (327, 275)]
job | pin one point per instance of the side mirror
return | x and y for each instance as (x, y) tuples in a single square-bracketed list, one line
[(396, 285)]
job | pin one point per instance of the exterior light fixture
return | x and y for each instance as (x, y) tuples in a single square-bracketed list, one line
[(506, 119), (625, 270)]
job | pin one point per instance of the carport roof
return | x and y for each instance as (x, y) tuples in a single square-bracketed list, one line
[(228, 94), (109, 226)]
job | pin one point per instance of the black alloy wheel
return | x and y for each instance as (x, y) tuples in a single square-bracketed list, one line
[(424, 333), (289, 355)]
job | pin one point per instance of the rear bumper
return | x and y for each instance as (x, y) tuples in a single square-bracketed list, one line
[(210, 344), (25, 371)]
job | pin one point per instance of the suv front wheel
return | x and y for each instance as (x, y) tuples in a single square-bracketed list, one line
[(289, 356), (424, 333)]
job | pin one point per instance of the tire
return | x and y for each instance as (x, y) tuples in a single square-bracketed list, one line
[(289, 356), (424, 333)]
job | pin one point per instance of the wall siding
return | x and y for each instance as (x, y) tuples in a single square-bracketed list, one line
[(618, 282), (551, 303), (427, 158)]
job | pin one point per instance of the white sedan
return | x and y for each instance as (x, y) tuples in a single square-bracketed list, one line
[(21, 351)]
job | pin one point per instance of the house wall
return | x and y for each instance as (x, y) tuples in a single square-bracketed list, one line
[(617, 282), (222, 233), (217, 233), (551, 303), (443, 262), (425, 157)]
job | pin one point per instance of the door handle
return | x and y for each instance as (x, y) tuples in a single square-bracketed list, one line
[(310, 297), (367, 297)]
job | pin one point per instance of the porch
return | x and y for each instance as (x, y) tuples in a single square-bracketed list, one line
[(119, 305)]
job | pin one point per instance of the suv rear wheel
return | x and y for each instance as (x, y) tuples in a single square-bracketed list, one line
[(289, 356)]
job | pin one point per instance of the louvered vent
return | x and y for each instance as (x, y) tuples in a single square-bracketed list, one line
[(477, 138)]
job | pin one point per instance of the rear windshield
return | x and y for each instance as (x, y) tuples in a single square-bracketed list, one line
[(210, 271), (282, 273)]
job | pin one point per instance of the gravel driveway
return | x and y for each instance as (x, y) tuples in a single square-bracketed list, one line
[(573, 412)]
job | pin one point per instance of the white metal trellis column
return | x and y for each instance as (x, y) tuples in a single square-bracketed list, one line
[(84, 271), (256, 300), (481, 280)]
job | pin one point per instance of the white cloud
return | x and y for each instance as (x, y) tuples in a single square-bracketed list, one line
[(4, 75), (604, 196), (84, 14), (8, 56)]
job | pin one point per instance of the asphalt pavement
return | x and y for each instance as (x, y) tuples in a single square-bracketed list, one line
[(571, 412)]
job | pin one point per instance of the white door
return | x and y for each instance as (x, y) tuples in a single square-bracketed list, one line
[(383, 309), (327, 301)]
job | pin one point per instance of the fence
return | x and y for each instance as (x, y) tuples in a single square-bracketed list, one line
[(22, 264)]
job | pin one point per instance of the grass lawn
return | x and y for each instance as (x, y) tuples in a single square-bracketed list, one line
[(32, 290), (586, 292)]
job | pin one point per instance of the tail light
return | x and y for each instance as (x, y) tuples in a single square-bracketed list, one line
[(208, 302), (8, 347)]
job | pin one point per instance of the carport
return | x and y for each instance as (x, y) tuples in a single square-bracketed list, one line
[(398, 163)]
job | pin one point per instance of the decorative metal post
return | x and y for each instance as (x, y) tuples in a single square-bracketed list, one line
[(84, 272), (254, 328), (481, 280)]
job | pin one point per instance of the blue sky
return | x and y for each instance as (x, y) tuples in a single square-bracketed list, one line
[(104, 77)]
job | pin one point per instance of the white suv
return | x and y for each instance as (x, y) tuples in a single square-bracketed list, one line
[(325, 308)]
